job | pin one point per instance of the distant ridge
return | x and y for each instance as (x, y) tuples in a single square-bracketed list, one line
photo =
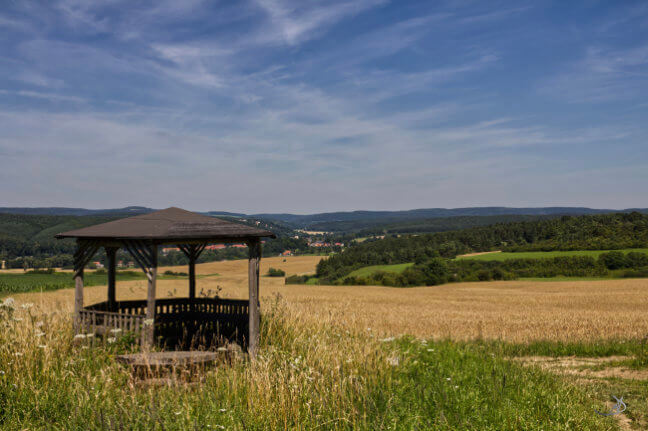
[(132, 210), (127, 211), (304, 221), (311, 219)]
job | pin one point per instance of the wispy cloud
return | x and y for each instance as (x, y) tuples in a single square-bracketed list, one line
[(47, 96), (294, 22), (371, 104), (603, 75)]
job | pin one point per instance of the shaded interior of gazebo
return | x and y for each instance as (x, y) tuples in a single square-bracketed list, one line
[(171, 322)]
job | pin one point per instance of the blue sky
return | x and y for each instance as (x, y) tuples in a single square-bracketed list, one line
[(306, 106)]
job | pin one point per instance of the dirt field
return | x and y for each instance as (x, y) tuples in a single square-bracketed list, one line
[(510, 310)]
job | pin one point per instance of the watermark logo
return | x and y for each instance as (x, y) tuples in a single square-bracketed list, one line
[(619, 407)]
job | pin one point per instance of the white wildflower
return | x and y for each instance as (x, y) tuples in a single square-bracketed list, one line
[(9, 303), (448, 378), (222, 410), (18, 354), (178, 413), (456, 387), (42, 346), (18, 319), (90, 335), (393, 361), (430, 350), (111, 339), (79, 336), (388, 339), (27, 305), (116, 330), (2, 373)]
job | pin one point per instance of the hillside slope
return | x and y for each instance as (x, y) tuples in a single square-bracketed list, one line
[(590, 232)]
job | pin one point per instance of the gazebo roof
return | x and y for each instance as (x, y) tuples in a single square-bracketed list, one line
[(168, 225)]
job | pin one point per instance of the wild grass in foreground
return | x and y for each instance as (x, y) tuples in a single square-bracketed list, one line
[(308, 375)]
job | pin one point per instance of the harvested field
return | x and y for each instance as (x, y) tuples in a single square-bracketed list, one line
[(517, 311)]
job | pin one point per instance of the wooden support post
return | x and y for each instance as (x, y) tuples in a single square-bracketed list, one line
[(253, 280), (150, 301), (111, 253), (192, 276), (78, 298)]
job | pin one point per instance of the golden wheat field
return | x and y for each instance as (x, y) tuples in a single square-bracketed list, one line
[(508, 310)]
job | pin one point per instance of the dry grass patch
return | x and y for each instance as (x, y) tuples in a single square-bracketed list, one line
[(600, 368)]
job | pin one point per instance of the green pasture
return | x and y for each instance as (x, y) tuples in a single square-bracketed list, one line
[(19, 283), (368, 270), (546, 254)]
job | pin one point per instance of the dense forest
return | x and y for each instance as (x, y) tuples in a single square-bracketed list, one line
[(432, 225), (590, 232)]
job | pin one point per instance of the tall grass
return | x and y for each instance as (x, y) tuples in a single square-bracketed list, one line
[(309, 375)]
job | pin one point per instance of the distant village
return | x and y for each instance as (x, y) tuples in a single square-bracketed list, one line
[(313, 239)]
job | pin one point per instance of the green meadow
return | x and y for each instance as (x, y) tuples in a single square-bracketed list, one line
[(546, 254), (368, 270)]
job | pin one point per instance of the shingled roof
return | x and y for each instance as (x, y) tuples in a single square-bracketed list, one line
[(168, 225)]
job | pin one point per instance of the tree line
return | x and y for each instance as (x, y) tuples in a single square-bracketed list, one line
[(589, 232), (439, 271)]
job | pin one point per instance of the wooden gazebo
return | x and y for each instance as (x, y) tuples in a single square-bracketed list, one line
[(141, 236)]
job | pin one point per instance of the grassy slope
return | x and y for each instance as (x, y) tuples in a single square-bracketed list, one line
[(368, 270), (400, 267), (545, 254)]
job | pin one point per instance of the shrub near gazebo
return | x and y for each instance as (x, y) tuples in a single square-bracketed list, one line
[(153, 318)]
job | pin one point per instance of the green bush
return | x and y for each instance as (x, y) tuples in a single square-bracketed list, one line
[(299, 279), (276, 272), (174, 273), (636, 260), (613, 260), (41, 271), (484, 275)]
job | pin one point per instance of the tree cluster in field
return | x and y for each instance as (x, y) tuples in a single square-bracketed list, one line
[(276, 272), (299, 279), (595, 232), (439, 270)]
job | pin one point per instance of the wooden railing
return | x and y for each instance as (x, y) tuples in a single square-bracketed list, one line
[(102, 322), (176, 318)]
